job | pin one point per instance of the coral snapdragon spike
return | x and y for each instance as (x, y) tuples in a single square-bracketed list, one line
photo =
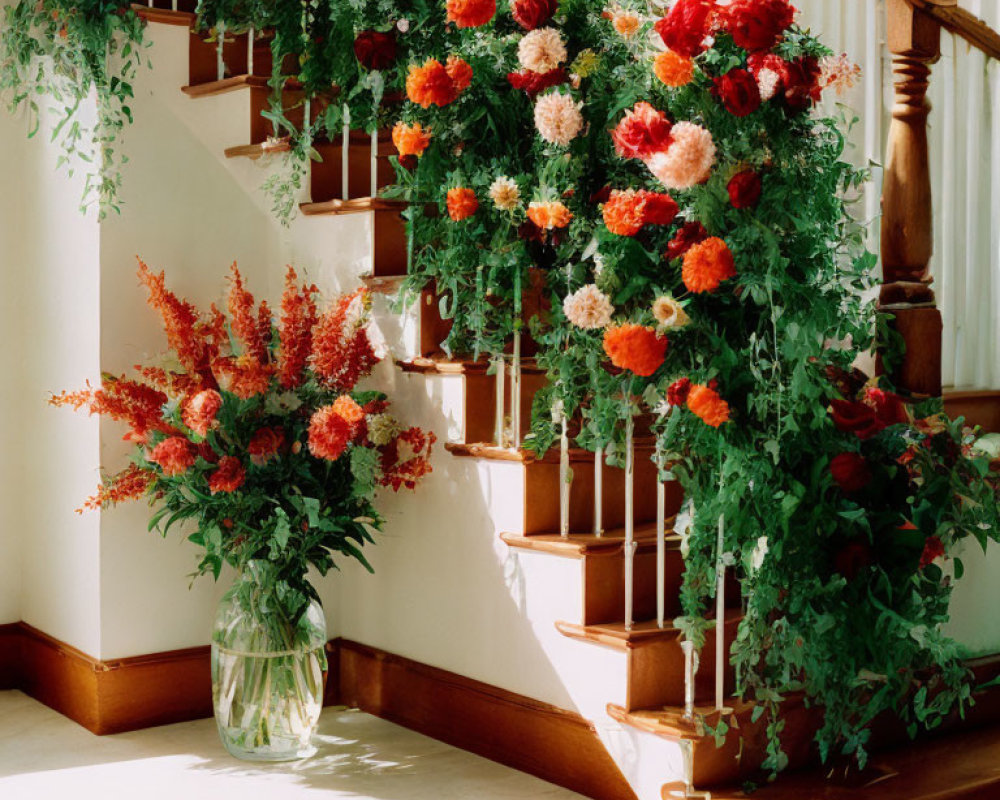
[(124, 400), (341, 352), (243, 376), (180, 320), (298, 317), (129, 484), (246, 323)]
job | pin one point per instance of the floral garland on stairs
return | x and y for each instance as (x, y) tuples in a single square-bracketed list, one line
[(688, 214)]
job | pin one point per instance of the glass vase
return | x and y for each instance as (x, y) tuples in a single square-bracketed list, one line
[(268, 672)]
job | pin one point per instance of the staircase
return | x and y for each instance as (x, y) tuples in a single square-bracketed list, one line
[(562, 636)]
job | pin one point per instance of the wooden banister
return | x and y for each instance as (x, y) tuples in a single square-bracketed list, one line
[(962, 23)]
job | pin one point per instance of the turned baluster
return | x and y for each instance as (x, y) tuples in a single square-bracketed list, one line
[(914, 40)]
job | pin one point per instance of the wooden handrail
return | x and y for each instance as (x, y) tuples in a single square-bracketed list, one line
[(962, 23)]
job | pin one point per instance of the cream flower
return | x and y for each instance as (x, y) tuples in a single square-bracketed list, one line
[(624, 21), (505, 194), (689, 159), (767, 83), (541, 50), (558, 118), (382, 429), (669, 313), (588, 308)]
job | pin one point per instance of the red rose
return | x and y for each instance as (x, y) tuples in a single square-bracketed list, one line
[(852, 558), (850, 471), (933, 548), (853, 417), (533, 82), (678, 391), (889, 408), (530, 14), (744, 189), (658, 208), (642, 132), (738, 91), (228, 477), (685, 26), (688, 235), (375, 49), (757, 24), (800, 79)]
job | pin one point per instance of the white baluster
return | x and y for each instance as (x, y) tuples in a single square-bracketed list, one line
[(345, 139), (599, 491), (630, 543), (501, 396), (515, 392), (690, 670), (374, 164), (173, 5), (220, 62), (720, 620), (250, 40), (564, 475), (661, 546)]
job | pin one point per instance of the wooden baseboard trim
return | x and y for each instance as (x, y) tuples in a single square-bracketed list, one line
[(126, 694)]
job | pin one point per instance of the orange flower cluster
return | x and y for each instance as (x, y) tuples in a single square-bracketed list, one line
[(707, 265), (243, 376), (705, 403), (410, 140), (637, 348), (673, 69), (123, 400), (406, 460), (549, 215), (462, 203), (175, 455), (298, 316), (341, 350), (200, 409), (626, 212), (470, 13), (129, 484), (349, 411), (252, 329), (329, 434), (228, 476), (434, 83)]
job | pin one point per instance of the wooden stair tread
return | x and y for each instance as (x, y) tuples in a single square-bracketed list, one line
[(579, 545), (961, 766), (614, 634), (234, 83), (357, 205), (255, 151), (494, 453), (165, 16), (384, 284), (670, 722), (441, 363)]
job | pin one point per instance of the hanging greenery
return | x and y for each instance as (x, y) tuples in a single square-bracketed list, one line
[(53, 55)]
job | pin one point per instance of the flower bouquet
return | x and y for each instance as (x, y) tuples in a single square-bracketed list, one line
[(256, 433)]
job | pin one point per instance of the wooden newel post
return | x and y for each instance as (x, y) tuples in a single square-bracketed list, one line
[(914, 40)]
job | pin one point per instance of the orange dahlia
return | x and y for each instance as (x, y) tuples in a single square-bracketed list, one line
[(705, 403), (410, 140), (673, 69), (470, 13), (637, 348), (462, 203), (627, 211), (349, 411), (707, 265), (460, 73), (549, 215), (430, 84), (175, 455), (329, 434), (228, 476)]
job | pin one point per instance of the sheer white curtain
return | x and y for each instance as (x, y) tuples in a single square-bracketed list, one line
[(965, 164)]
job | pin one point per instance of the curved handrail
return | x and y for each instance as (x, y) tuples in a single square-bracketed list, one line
[(962, 23)]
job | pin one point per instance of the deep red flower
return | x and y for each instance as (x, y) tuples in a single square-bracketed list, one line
[(851, 416), (738, 91), (534, 82), (264, 444), (850, 471), (530, 14), (744, 189), (889, 408), (852, 558), (933, 548), (800, 79), (228, 477), (688, 235), (686, 25), (375, 49), (757, 24), (677, 392)]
